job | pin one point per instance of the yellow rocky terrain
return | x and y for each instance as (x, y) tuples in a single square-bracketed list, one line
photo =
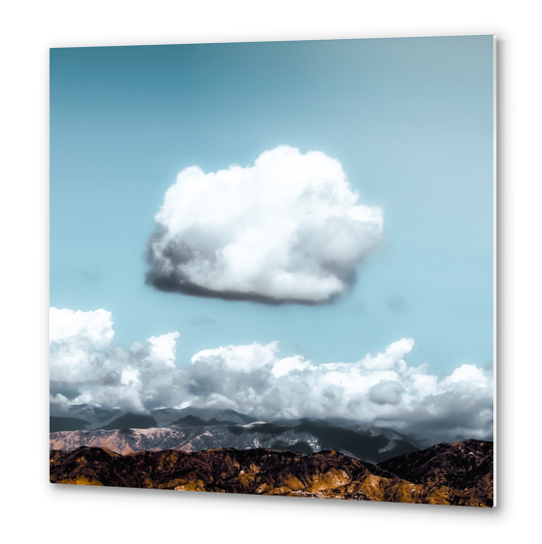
[(326, 474)]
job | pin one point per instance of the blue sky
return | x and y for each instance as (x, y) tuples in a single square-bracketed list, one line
[(410, 120)]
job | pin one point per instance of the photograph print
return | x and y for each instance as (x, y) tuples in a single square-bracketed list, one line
[(272, 268)]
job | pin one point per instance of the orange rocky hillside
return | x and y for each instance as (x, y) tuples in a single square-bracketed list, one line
[(326, 474)]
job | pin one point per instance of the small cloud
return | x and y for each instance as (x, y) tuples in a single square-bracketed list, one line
[(386, 392), (399, 303), (65, 389), (202, 319), (92, 272), (288, 229)]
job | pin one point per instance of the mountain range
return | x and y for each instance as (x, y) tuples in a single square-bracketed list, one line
[(201, 429), (459, 473)]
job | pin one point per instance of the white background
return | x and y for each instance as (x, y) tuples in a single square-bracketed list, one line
[(31, 507)]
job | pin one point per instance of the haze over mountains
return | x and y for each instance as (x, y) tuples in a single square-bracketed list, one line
[(193, 429)]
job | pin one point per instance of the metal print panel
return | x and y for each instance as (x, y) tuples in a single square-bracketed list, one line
[(272, 268)]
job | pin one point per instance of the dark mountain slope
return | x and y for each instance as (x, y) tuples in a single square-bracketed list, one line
[(57, 424), (455, 465), (131, 421), (325, 474)]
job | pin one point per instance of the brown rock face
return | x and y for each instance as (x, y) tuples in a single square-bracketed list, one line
[(326, 474), (466, 466)]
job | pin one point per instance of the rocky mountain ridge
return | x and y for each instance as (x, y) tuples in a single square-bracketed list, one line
[(191, 433), (457, 474)]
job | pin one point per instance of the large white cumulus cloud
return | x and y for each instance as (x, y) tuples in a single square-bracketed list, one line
[(288, 229), (379, 389)]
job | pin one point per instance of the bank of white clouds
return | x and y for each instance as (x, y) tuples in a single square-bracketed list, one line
[(289, 228), (379, 389), (84, 360)]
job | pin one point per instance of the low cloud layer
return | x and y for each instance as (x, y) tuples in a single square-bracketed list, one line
[(87, 368), (378, 389), (288, 229)]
